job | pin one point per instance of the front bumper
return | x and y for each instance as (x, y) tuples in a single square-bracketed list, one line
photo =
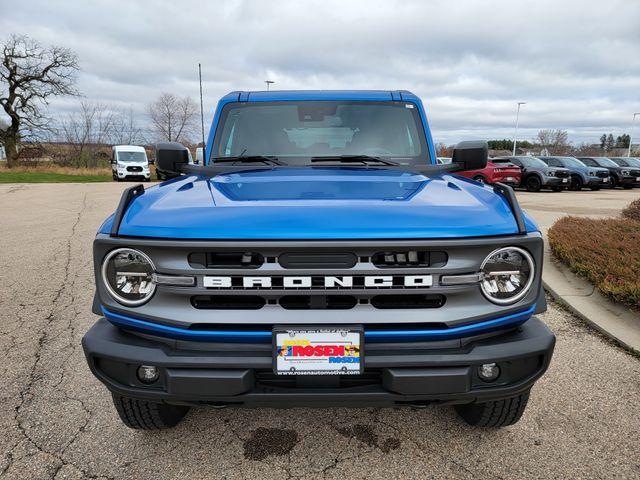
[(597, 181), (197, 373), (555, 182)]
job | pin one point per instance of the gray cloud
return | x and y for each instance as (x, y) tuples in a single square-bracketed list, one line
[(576, 63)]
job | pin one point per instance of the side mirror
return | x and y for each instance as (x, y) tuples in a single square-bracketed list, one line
[(471, 155), (170, 156)]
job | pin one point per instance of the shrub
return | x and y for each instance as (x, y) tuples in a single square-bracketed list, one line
[(632, 212), (605, 251)]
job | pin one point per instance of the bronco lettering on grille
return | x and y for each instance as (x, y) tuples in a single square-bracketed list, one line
[(324, 282)]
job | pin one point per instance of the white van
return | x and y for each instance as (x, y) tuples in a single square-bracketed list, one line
[(129, 161)]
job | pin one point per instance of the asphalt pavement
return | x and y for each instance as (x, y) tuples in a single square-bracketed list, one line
[(57, 420)]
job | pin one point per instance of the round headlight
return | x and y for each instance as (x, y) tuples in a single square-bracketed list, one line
[(507, 275), (128, 276)]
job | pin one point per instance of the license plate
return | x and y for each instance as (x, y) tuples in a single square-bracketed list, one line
[(637, 179), (510, 179), (317, 350), (565, 180), (606, 179)]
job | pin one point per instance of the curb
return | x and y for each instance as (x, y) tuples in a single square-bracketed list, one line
[(615, 321)]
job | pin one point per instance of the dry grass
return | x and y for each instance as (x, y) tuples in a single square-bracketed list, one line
[(605, 251), (46, 167), (632, 212)]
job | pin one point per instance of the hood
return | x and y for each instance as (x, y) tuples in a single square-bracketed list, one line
[(319, 203)]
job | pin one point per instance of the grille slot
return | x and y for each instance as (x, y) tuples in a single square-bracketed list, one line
[(407, 301), (226, 260), (317, 260), (602, 174), (318, 302), (228, 302), (562, 174), (409, 258)]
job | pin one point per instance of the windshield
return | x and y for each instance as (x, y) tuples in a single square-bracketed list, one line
[(572, 162), (605, 162), (621, 162), (532, 162), (632, 162), (295, 131), (132, 157), (526, 162)]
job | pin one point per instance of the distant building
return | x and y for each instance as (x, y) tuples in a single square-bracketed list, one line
[(3, 155)]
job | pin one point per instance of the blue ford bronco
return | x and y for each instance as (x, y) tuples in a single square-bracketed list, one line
[(319, 257)]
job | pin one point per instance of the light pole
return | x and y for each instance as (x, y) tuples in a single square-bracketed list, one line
[(515, 135), (268, 82), (633, 122)]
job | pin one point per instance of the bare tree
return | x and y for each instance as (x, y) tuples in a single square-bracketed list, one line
[(125, 129), (557, 141), (173, 118), (29, 75), (86, 131)]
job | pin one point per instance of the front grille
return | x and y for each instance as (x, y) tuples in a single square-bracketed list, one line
[(562, 174), (602, 174), (316, 302), (134, 169), (635, 173)]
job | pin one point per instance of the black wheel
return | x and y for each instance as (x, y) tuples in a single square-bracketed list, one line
[(479, 178), (143, 415), (500, 413), (533, 184), (160, 177), (576, 183)]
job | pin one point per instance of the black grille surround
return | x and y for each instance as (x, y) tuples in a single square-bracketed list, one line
[(562, 174), (391, 304), (134, 169), (600, 174)]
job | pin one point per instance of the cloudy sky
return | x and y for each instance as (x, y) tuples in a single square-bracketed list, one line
[(576, 63)]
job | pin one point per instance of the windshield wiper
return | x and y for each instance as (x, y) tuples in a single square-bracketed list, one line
[(269, 160), (355, 158)]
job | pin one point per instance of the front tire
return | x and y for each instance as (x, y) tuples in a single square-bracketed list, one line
[(143, 415), (499, 413), (576, 184), (533, 184)]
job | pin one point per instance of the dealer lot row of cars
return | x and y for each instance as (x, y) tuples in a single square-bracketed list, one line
[(559, 173)]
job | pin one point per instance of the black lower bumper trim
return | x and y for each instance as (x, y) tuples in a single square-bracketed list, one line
[(394, 374)]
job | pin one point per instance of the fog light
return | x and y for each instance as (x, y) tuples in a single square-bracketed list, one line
[(148, 373), (488, 372)]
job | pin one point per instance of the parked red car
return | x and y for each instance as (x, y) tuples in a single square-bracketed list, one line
[(496, 172)]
